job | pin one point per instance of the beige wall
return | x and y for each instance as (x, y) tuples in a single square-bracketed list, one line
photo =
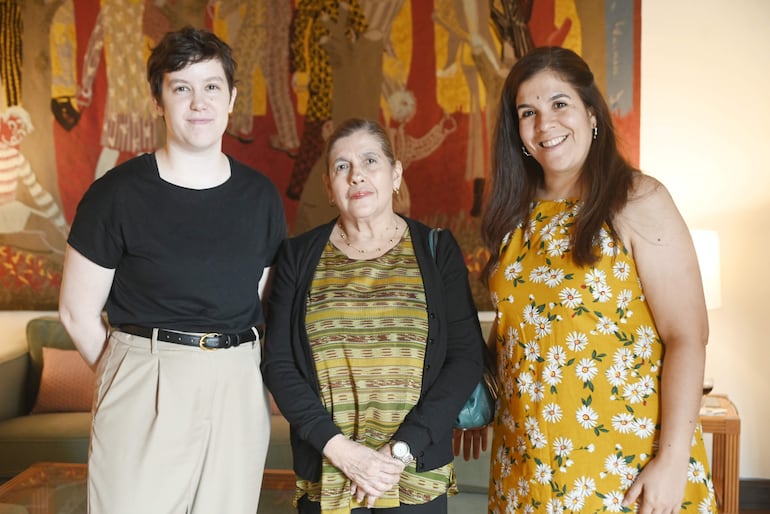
[(705, 133)]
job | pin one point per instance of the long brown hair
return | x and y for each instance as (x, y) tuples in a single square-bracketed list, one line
[(606, 176)]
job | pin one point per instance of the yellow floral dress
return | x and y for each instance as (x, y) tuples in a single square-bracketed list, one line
[(579, 361)]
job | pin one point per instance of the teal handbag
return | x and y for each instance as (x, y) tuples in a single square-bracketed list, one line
[(479, 409)]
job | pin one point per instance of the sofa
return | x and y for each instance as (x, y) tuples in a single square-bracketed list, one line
[(62, 436), (59, 433)]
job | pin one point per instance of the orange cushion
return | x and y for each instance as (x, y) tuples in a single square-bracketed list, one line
[(67, 383)]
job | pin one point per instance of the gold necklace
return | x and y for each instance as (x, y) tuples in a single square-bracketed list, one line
[(344, 238)]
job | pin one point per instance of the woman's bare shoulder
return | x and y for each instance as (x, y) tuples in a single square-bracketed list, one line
[(648, 213)]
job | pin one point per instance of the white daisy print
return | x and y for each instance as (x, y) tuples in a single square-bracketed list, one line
[(523, 486), (530, 313), (696, 472), (543, 473), (621, 270), (558, 247), (521, 445), (556, 355), (646, 334), (548, 230), (602, 293), (537, 391), (606, 326), (512, 335), (624, 299), (643, 348), (532, 351), (538, 440), (609, 246), (562, 446), (616, 375), (513, 271), (552, 374), (574, 501), (585, 486), (586, 417), (524, 382), (627, 476), (647, 385), (570, 298), (705, 507), (643, 427), (613, 502), (542, 327), (552, 413), (595, 277), (586, 370), (623, 422), (632, 393), (614, 464), (576, 341), (554, 506), (539, 274), (555, 277), (623, 357)]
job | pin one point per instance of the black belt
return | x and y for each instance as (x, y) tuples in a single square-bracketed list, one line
[(208, 341)]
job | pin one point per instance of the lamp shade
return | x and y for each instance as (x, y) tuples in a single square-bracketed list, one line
[(707, 248)]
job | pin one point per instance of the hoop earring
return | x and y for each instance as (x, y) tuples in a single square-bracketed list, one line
[(596, 132), (525, 152)]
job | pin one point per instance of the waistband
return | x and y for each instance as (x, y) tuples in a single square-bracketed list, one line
[(205, 341)]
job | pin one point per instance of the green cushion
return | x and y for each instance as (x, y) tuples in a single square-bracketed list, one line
[(43, 331), (56, 437)]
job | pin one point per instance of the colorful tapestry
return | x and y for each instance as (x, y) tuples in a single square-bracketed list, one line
[(74, 101)]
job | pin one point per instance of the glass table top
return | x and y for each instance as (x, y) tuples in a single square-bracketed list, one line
[(55, 488)]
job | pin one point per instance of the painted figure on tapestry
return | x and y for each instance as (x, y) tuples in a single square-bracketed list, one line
[(312, 71), (262, 41), (39, 227), (129, 121)]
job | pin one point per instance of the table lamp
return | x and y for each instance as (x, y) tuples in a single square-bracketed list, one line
[(707, 249)]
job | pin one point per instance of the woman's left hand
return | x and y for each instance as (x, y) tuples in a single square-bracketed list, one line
[(357, 491), (371, 472), (659, 488)]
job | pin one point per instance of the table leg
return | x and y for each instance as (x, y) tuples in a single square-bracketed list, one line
[(718, 470), (731, 478)]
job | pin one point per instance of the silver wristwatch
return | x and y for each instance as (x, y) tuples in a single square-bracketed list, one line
[(401, 451)]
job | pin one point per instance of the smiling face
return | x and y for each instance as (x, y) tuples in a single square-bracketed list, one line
[(195, 102), (555, 126), (361, 179)]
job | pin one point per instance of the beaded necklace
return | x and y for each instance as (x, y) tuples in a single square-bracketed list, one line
[(345, 240)]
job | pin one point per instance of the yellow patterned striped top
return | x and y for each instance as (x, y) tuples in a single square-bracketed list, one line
[(367, 325)]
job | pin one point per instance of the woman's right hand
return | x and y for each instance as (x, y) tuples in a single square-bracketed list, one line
[(470, 439), (371, 472)]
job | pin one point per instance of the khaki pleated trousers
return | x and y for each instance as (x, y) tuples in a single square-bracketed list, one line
[(177, 429)]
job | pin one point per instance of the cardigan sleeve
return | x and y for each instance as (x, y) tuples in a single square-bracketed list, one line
[(287, 366)]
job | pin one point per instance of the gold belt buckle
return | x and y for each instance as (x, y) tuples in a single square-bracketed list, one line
[(202, 342)]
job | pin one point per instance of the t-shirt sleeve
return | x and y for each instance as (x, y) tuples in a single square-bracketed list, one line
[(95, 231), (277, 229)]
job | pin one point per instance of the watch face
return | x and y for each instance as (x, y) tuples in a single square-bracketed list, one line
[(402, 452)]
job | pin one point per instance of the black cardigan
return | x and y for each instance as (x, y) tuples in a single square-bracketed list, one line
[(453, 357)]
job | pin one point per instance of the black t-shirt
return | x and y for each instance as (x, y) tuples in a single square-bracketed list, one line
[(184, 259)]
